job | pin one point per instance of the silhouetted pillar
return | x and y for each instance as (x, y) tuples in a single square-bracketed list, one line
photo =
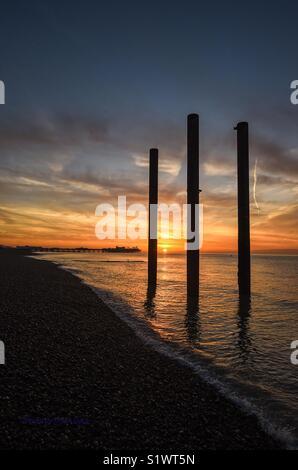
[(153, 215), (243, 209), (192, 324), (244, 336), (192, 200)]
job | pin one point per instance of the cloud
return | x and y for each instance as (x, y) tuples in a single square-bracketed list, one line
[(275, 159), (269, 180), (286, 220), (58, 168), (5, 216), (165, 165), (278, 230), (219, 168), (58, 130)]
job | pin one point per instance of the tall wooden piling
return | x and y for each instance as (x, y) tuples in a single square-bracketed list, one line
[(153, 216), (192, 201), (244, 276)]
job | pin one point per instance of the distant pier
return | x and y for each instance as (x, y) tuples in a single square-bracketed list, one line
[(117, 249)]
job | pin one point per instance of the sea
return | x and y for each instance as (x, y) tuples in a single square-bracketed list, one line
[(242, 347)]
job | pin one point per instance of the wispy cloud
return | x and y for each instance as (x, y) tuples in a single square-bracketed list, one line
[(165, 165), (255, 185), (219, 168), (54, 171)]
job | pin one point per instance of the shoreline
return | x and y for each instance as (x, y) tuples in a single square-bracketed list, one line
[(73, 359)]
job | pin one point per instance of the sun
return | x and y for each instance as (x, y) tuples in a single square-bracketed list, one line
[(164, 250)]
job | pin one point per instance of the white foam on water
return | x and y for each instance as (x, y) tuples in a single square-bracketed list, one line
[(226, 387), (174, 351)]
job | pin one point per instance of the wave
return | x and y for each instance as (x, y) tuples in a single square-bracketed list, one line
[(227, 387), (175, 351)]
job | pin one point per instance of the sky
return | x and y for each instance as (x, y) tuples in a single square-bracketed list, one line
[(91, 86)]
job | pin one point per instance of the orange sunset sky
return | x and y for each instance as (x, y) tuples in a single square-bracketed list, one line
[(90, 90), (55, 208)]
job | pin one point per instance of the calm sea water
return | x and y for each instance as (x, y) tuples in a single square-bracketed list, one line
[(243, 349)]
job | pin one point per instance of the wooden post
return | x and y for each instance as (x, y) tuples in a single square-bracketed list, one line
[(153, 215), (244, 275), (192, 200)]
